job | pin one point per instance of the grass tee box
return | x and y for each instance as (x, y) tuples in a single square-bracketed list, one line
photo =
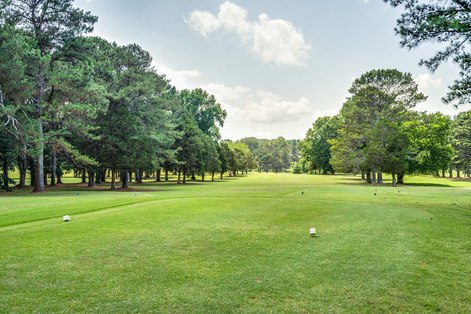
[(240, 245)]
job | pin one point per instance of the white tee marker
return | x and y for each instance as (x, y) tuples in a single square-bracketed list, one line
[(312, 232)]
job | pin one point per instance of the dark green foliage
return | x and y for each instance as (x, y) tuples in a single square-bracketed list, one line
[(189, 146), (370, 136), (316, 149), (430, 149), (461, 140), (446, 22), (207, 112), (272, 155), (48, 24)]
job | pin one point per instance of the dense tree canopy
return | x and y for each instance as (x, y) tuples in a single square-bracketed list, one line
[(376, 131), (444, 22), (67, 100)]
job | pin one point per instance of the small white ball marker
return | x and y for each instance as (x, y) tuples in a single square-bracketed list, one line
[(66, 218), (312, 232)]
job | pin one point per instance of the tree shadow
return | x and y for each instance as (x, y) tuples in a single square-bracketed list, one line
[(428, 184)]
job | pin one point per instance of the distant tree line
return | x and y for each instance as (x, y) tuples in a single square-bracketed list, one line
[(275, 155), (72, 102), (377, 132)]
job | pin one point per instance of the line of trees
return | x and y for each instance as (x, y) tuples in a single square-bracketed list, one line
[(377, 132), (69, 101), (276, 155)]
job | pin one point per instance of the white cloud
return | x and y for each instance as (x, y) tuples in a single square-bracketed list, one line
[(259, 106), (181, 79), (279, 42), (273, 40), (234, 19), (204, 22), (425, 81), (251, 112)]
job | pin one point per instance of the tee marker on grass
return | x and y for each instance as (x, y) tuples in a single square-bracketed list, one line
[(66, 218), (312, 232)]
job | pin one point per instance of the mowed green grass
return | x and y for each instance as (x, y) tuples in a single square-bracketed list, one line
[(239, 245)]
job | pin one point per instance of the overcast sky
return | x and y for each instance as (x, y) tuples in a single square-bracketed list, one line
[(274, 65)]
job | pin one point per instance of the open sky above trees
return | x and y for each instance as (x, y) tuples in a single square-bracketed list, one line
[(231, 49)]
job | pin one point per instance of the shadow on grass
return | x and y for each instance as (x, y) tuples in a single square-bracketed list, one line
[(147, 186), (429, 184)]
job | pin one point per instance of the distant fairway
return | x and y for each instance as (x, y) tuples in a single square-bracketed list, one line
[(240, 245)]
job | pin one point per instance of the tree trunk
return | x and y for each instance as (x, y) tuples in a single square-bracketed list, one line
[(45, 178), (98, 175), (141, 176), (363, 175), (54, 169), (166, 174), (443, 173), (32, 171), (39, 185), (179, 174), (394, 180), (129, 176), (380, 177), (400, 178), (212, 176), (5, 175), (22, 169), (159, 172), (125, 179), (84, 177), (59, 179), (458, 174), (451, 172), (91, 178), (193, 177), (374, 176), (368, 177), (103, 176), (184, 176), (113, 180), (202, 177), (222, 175)]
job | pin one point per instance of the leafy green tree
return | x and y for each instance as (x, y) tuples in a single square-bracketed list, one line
[(295, 149), (8, 154), (209, 159), (316, 149), (189, 146), (461, 140), (225, 157), (252, 143), (50, 23), (207, 112), (245, 158), (135, 129), (380, 101), (430, 150), (444, 22), (265, 156), (387, 150), (16, 88)]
